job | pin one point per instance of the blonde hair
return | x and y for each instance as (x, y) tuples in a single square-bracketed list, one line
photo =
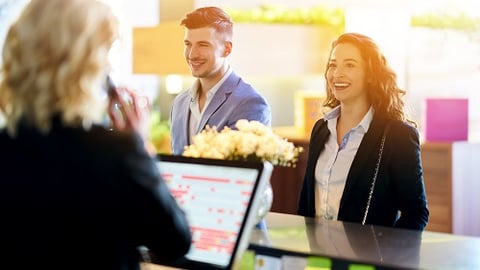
[(55, 58)]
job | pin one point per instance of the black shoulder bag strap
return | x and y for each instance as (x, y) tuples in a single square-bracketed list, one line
[(377, 166)]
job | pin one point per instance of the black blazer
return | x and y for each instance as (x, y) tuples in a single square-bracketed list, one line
[(399, 187), (77, 199)]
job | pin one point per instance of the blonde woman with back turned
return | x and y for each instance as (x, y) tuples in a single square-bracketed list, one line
[(73, 193)]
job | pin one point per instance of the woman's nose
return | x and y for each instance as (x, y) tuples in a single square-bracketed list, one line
[(338, 73)]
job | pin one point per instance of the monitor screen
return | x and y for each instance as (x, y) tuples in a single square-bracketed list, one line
[(216, 196)]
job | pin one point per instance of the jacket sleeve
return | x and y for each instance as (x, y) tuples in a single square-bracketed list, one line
[(253, 107), (306, 203), (158, 221), (407, 173), (249, 104)]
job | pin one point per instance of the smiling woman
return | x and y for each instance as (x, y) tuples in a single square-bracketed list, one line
[(365, 149)]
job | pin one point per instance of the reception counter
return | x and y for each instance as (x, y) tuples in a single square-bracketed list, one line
[(345, 245), (297, 243)]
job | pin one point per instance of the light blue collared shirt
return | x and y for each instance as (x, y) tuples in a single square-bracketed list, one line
[(334, 163), (195, 113)]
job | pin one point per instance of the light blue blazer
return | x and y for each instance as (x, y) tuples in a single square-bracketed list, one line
[(234, 100)]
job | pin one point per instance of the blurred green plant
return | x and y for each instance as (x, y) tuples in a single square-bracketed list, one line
[(461, 21), (335, 17), (316, 15), (159, 132)]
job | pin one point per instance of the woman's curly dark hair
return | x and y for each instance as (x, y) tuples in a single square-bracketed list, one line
[(383, 93)]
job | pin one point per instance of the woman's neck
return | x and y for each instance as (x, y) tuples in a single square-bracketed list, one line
[(350, 117)]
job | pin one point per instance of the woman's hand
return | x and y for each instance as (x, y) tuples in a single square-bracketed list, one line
[(129, 111)]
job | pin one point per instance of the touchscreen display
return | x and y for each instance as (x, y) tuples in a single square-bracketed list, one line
[(215, 200)]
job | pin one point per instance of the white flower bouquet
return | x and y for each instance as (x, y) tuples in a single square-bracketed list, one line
[(251, 140)]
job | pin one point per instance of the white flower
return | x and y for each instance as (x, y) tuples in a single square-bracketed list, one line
[(251, 140)]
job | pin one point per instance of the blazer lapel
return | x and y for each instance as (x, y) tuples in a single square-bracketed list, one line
[(218, 99), (367, 151), (182, 122), (317, 144), (319, 138)]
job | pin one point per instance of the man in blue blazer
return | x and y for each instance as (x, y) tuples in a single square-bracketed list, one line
[(219, 97)]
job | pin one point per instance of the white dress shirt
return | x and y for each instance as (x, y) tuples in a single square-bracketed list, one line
[(334, 163)]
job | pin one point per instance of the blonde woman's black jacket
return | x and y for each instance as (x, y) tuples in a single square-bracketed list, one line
[(76, 199), (399, 198)]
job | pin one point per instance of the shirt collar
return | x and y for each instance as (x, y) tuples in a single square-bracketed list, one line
[(367, 119), (364, 123), (194, 89)]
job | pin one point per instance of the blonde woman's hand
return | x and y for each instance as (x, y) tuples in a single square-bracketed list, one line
[(128, 110)]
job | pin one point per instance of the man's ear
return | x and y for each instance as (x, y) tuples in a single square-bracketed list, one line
[(228, 48)]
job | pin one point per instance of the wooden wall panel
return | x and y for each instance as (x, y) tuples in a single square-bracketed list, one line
[(437, 173)]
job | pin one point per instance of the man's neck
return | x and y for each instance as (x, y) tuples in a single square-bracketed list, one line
[(208, 83)]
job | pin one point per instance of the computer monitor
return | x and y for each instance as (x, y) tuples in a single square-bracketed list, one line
[(220, 199)]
